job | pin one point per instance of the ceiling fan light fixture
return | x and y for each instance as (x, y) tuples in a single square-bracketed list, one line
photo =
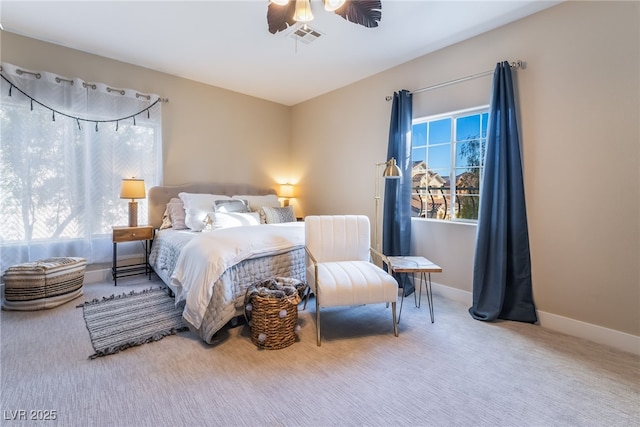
[(303, 11), (361, 12), (332, 5)]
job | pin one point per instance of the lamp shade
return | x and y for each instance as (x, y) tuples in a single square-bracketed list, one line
[(132, 188), (303, 11), (332, 5), (392, 170), (286, 191)]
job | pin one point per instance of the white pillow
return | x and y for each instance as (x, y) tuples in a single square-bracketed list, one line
[(257, 202), (196, 207), (231, 205), (233, 219)]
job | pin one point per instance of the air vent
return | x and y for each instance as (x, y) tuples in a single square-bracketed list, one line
[(304, 33)]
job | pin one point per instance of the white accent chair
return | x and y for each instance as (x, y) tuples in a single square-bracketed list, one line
[(339, 267)]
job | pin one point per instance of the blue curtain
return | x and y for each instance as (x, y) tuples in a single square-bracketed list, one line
[(396, 223), (502, 266)]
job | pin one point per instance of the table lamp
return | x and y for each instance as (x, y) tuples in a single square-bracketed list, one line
[(286, 192), (132, 188)]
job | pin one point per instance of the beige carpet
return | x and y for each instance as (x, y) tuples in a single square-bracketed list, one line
[(455, 372)]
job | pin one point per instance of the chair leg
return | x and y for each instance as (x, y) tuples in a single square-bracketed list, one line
[(306, 298), (395, 324), (317, 320)]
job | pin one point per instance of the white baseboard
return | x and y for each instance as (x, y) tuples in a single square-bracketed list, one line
[(455, 294), (601, 335)]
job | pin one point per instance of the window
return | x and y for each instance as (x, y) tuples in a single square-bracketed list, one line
[(60, 178), (448, 158)]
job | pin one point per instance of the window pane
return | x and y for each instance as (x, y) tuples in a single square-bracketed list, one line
[(469, 154), (468, 128), (439, 177), (439, 156), (418, 173), (438, 201), (419, 135), (466, 206), (419, 155), (419, 181), (485, 118), (440, 131), (417, 207), (467, 193), (468, 181)]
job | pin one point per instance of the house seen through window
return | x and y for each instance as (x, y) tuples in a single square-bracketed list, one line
[(448, 159)]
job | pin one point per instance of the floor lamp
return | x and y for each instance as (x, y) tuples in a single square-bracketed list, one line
[(391, 171)]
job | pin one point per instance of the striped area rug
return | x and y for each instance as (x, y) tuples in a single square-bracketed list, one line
[(121, 321)]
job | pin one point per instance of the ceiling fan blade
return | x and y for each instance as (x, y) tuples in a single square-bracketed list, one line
[(280, 17), (364, 12)]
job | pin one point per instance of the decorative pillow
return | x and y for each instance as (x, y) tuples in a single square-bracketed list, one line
[(166, 221), (196, 207), (256, 202), (233, 219), (175, 214), (270, 215), (232, 205)]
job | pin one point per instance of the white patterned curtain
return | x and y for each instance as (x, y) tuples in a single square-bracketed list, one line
[(65, 146)]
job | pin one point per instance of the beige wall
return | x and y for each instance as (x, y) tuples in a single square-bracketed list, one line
[(579, 97), (209, 134), (579, 115)]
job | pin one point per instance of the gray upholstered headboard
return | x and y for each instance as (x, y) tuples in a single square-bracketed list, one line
[(158, 197)]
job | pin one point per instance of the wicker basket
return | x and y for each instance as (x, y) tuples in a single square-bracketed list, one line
[(271, 309)]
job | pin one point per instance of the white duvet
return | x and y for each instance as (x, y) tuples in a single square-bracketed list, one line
[(206, 257)]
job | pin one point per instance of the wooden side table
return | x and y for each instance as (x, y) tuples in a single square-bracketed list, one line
[(131, 234), (416, 265)]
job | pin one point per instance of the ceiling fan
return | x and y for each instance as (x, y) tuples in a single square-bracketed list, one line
[(285, 13)]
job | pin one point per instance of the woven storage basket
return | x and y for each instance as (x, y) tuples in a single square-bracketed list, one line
[(271, 309)]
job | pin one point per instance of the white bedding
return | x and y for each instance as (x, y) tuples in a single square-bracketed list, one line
[(208, 255)]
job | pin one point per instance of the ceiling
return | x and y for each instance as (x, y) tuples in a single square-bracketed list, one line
[(227, 43)]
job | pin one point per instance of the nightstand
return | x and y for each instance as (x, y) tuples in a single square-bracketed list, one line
[(131, 234)]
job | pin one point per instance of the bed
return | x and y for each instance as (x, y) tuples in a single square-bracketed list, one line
[(208, 270)]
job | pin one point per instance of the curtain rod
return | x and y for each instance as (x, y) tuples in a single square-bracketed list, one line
[(84, 84), (515, 65)]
